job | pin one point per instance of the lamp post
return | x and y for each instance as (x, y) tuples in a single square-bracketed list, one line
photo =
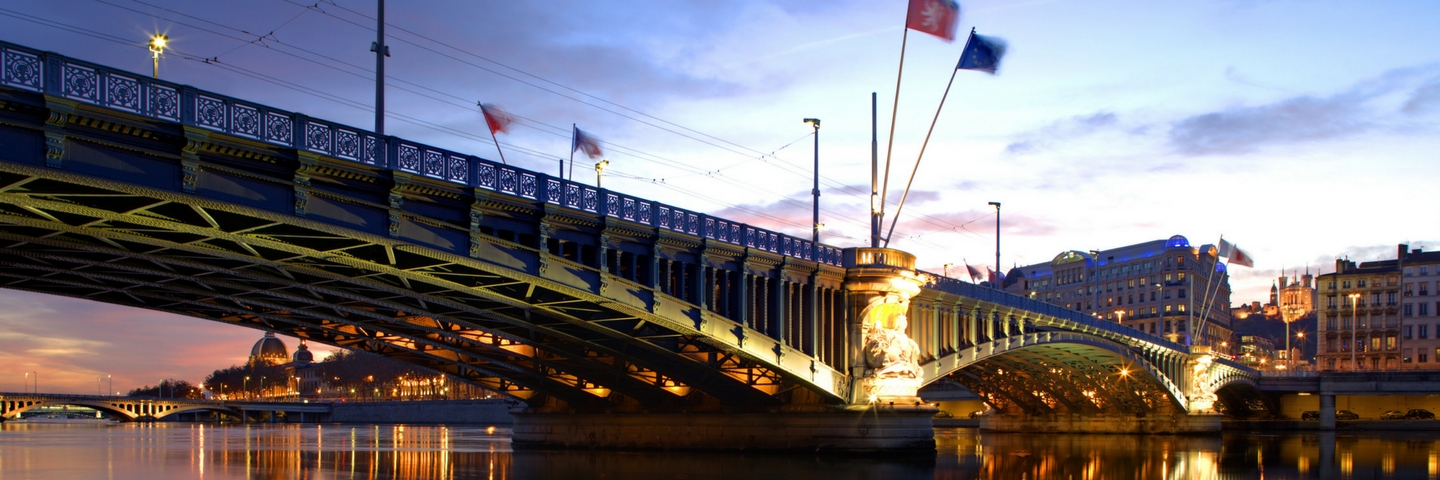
[(245, 388), (1120, 316), (815, 191), (997, 240), (600, 170), (157, 47), (1095, 279), (947, 269), (1354, 322), (1301, 336)]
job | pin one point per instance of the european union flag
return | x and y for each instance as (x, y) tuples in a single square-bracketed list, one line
[(981, 53)]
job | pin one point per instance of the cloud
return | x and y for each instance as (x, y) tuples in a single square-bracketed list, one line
[(1243, 129), (1425, 99), (1059, 130)]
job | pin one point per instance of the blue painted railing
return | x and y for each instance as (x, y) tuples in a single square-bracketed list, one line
[(1021, 302), (57, 75)]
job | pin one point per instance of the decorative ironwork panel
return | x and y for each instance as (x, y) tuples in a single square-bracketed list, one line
[(735, 233), (774, 243), (317, 137), (374, 150), (809, 250), (81, 83), (279, 128), (507, 180), (628, 211), (347, 144), (245, 120), (122, 93), (749, 237), (645, 213), (709, 227), (679, 224), (434, 164), (665, 217), (459, 170), (785, 245), (724, 234), (22, 70), (210, 112), (692, 226), (409, 158), (590, 200), (572, 195), (485, 175), (527, 185), (612, 205), (552, 191)]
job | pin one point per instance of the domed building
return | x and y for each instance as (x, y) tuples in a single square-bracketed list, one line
[(268, 352), (302, 354)]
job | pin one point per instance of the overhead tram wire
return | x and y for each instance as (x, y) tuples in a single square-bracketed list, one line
[(440, 128), (782, 164)]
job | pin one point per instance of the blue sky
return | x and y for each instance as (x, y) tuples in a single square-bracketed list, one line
[(1302, 131)]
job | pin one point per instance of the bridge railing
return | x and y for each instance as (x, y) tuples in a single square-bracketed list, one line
[(1006, 299), (100, 86)]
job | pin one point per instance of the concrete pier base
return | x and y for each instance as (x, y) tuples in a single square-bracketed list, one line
[(1167, 424), (859, 430)]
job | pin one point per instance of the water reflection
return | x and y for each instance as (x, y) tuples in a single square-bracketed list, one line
[(164, 451)]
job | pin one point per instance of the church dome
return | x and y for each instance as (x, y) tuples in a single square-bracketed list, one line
[(302, 353), (269, 351)]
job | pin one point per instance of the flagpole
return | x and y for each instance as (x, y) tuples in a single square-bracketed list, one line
[(1207, 301), (901, 207), (497, 146), (573, 130), (894, 110)]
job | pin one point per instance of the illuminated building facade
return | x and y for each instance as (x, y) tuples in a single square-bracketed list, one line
[(1420, 309), (1163, 287), (1381, 315)]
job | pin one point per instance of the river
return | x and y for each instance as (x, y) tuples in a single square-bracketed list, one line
[(162, 451)]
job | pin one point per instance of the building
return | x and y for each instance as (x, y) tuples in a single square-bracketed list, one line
[(270, 351), (1163, 287), (1360, 317), (1256, 351), (1419, 309)]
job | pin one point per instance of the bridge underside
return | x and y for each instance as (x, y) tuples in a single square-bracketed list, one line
[(515, 333), (1064, 378)]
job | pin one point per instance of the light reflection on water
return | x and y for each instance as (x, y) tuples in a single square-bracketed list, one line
[(311, 451)]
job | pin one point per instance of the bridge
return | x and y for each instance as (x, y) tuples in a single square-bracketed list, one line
[(129, 409), (620, 321)]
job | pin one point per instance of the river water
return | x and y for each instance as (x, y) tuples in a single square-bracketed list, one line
[(333, 451)]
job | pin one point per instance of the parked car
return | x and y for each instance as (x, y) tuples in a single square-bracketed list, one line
[(1392, 415), (1346, 415), (1419, 414), (1310, 415)]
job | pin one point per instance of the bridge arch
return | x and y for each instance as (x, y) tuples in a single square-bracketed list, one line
[(1061, 372), (112, 408)]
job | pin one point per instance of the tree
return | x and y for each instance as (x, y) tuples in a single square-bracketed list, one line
[(169, 388)]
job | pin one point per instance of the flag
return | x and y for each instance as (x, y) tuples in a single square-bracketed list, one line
[(586, 144), (496, 118), (981, 53), (1235, 254), (975, 273), (935, 17)]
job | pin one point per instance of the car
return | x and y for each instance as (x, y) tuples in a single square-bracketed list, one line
[(1419, 414), (1346, 415), (1310, 415), (1392, 415)]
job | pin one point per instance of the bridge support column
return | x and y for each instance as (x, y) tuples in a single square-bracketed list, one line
[(1327, 413)]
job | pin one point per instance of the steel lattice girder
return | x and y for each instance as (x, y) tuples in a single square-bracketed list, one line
[(88, 213)]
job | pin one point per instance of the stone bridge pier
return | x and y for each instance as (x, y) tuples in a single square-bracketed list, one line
[(880, 411)]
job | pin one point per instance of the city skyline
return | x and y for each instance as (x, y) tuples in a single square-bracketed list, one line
[(1125, 112)]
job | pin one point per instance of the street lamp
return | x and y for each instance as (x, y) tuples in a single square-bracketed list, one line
[(245, 387), (157, 47), (815, 191), (600, 170), (997, 239), (947, 269), (1120, 316), (1095, 278)]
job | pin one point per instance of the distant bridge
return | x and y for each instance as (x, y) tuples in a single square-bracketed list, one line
[(120, 188), (14, 405)]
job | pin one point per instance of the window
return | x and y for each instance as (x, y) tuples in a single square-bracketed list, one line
[(1360, 283), (1152, 310), (1407, 332), (1167, 294), (1330, 301), (1152, 326), (1345, 284), (1181, 277), (1424, 357), (1152, 296), (1424, 309), (1182, 293), (1330, 285), (1168, 325), (1424, 270), (1330, 322), (1167, 309), (1182, 308), (1424, 332), (1390, 299), (1409, 310)]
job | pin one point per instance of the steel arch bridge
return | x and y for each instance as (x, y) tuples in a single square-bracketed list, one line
[(14, 405), (133, 191)]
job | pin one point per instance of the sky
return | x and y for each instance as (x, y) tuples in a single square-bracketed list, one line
[(1302, 131)]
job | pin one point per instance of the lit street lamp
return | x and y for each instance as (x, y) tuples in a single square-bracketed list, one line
[(157, 47), (600, 171), (1354, 322)]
